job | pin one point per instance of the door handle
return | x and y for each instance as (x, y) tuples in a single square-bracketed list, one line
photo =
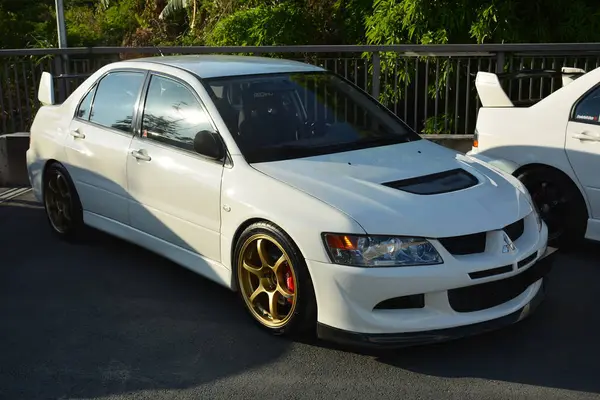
[(584, 136), (140, 156), (78, 135)]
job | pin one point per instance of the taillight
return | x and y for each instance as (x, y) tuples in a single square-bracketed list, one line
[(476, 139)]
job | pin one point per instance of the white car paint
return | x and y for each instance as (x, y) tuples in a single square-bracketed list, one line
[(189, 209), (513, 137)]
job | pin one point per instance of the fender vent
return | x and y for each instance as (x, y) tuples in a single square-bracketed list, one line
[(441, 182)]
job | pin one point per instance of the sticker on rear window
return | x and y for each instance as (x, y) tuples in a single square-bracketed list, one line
[(587, 117)]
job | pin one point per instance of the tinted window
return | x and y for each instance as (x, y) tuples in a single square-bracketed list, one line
[(172, 114), (281, 116), (588, 110), (84, 107), (115, 100)]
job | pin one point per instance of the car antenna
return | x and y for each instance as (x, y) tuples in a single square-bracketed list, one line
[(161, 53)]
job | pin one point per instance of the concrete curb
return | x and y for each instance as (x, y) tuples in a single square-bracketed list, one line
[(13, 162), (462, 143), (10, 194)]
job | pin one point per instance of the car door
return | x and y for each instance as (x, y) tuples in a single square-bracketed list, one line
[(176, 192), (582, 144), (97, 147)]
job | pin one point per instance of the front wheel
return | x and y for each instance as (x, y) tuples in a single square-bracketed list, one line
[(273, 281), (559, 203)]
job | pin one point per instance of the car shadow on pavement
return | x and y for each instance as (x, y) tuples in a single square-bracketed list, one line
[(106, 317), (556, 347)]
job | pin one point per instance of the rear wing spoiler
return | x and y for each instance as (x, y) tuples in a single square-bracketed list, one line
[(46, 86), (492, 94), (46, 89)]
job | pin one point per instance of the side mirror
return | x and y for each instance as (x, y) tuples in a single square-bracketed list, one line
[(209, 144)]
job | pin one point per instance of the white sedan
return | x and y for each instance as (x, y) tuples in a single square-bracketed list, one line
[(291, 186), (552, 146)]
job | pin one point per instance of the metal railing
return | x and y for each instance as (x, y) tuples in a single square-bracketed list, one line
[(431, 87)]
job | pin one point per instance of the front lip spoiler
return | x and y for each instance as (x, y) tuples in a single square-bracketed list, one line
[(398, 340)]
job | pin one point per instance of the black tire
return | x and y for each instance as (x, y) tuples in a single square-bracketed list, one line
[(73, 228), (302, 321), (559, 203)]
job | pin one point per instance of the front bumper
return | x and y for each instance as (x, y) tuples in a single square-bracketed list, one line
[(536, 274)]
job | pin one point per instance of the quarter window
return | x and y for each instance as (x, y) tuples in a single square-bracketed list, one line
[(588, 109), (115, 100), (172, 114), (83, 112)]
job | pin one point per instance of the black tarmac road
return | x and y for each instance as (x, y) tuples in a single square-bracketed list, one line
[(108, 320)]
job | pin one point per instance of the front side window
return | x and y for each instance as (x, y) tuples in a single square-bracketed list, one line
[(281, 116), (588, 109), (172, 114), (115, 100)]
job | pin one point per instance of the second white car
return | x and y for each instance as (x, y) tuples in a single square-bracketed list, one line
[(552, 146)]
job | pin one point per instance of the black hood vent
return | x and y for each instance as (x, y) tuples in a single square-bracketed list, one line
[(441, 182)]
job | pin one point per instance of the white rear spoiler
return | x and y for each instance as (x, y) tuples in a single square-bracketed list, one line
[(570, 74), (491, 93), (46, 89)]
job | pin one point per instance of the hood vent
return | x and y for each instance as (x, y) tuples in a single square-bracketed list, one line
[(441, 182)]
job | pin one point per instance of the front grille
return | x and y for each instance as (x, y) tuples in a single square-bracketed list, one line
[(526, 260), (465, 244), (491, 294), (491, 272), (475, 242), (515, 230)]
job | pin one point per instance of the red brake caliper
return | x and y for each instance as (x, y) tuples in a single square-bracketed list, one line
[(289, 282)]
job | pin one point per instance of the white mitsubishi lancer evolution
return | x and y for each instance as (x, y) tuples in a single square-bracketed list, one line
[(293, 187)]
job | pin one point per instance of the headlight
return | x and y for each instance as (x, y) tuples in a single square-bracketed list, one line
[(380, 251)]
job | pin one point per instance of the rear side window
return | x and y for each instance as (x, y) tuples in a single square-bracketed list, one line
[(588, 109), (115, 100), (83, 112), (172, 114)]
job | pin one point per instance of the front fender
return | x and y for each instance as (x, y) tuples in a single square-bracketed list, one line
[(502, 164)]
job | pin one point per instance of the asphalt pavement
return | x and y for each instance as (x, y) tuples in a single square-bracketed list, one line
[(108, 320)]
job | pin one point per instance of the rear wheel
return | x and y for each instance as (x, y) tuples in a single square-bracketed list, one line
[(560, 205), (61, 202), (273, 281)]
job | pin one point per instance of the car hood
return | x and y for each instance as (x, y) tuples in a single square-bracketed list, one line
[(353, 182)]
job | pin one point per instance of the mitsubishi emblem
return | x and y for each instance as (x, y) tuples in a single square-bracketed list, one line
[(509, 246)]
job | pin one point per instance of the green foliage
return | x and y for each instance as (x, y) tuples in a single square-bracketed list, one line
[(439, 124), (280, 24), (32, 23), (83, 27), (27, 23), (173, 6)]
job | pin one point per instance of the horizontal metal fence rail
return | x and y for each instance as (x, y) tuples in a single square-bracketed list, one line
[(431, 87)]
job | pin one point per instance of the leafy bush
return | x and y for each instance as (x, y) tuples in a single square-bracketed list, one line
[(281, 24)]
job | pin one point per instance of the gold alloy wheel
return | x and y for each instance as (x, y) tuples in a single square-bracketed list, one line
[(58, 201), (267, 280)]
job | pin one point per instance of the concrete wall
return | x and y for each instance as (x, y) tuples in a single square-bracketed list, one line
[(13, 165), (13, 169), (462, 143)]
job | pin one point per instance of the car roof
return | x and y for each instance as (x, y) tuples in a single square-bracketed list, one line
[(213, 66)]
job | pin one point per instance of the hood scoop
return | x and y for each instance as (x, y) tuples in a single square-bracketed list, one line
[(438, 183)]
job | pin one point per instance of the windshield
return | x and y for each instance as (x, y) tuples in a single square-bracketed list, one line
[(282, 116)]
